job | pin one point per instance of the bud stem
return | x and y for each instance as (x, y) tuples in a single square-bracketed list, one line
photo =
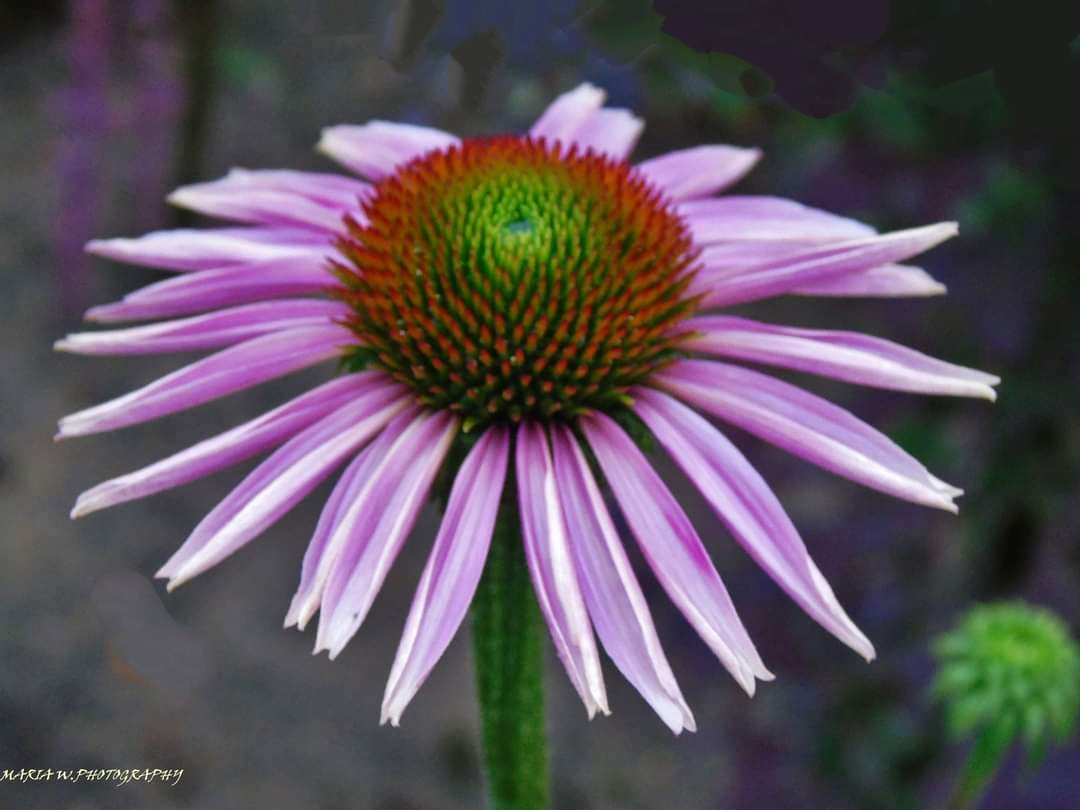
[(982, 766)]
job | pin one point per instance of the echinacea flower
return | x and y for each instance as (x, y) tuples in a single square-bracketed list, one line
[(535, 304)]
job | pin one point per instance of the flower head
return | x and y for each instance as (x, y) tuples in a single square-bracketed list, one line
[(525, 299)]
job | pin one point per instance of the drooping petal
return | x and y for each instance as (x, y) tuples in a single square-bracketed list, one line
[(848, 356), (331, 190), (746, 505), (373, 529), (886, 281), (698, 171), (766, 219), (203, 249), (211, 331), (723, 261), (319, 555), (781, 276), (280, 482), (568, 113), (224, 287), (806, 426), (276, 198), (673, 549), (377, 148), (551, 565), (234, 369), (453, 570), (611, 591), (611, 132), (233, 446)]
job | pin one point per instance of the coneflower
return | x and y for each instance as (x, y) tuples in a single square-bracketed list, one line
[(512, 316)]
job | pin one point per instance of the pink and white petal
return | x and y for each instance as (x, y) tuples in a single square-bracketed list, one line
[(185, 250), (211, 331), (568, 113), (234, 369), (611, 591), (782, 275), (673, 549), (610, 132), (750, 510), (224, 287), (377, 148), (740, 255), (698, 171), (233, 446), (885, 281), (806, 426), (723, 261), (319, 554), (375, 527), (720, 264), (238, 201), (280, 482), (452, 572), (768, 219), (551, 566), (334, 191), (849, 356)]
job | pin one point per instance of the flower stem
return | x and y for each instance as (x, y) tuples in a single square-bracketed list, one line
[(508, 651), (982, 766)]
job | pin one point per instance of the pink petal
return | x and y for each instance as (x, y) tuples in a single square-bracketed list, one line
[(378, 148), (555, 580), (453, 570), (373, 528), (886, 281), (611, 591), (610, 132), (203, 249), (699, 171), (311, 201), (214, 330), (782, 275), (214, 289), (319, 556), (806, 426), (768, 219), (233, 369), (848, 356), (568, 113), (746, 505), (233, 446), (673, 549), (331, 190), (280, 482)]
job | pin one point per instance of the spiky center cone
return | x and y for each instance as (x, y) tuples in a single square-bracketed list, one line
[(507, 278)]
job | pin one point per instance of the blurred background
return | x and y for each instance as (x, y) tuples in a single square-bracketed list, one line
[(898, 114)]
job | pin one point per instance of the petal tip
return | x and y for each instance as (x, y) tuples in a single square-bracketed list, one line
[(389, 716), (85, 506), (98, 247)]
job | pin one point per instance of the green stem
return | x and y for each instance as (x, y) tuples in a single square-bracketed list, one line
[(982, 766), (508, 651)]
